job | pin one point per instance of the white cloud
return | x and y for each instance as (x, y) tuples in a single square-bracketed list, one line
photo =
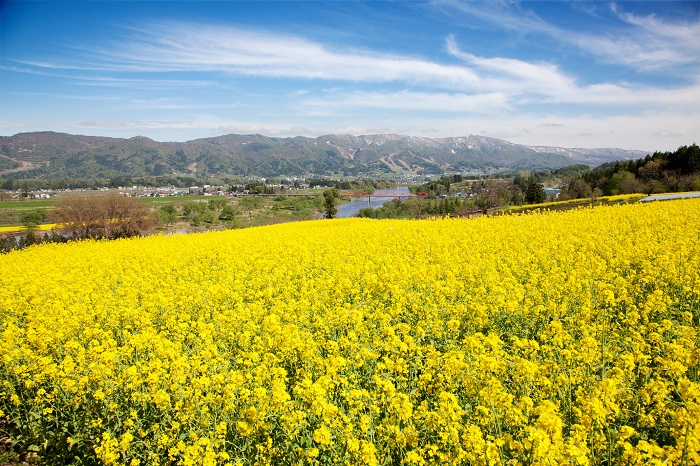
[(148, 84), (682, 98), (652, 44), (12, 124), (179, 46), (246, 128), (668, 134), (516, 76), (638, 131), (496, 83), (648, 131), (408, 101), (39, 68), (531, 102), (507, 14), (89, 98), (167, 103), (644, 43), (526, 83)]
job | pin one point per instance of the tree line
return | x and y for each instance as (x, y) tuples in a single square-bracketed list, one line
[(32, 184), (368, 186), (500, 190), (26, 185), (657, 173), (484, 196)]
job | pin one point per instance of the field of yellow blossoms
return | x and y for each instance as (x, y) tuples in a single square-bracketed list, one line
[(546, 338)]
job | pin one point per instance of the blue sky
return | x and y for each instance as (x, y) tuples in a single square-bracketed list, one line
[(572, 74)]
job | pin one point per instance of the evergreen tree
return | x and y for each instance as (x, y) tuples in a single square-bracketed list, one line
[(534, 194), (331, 199)]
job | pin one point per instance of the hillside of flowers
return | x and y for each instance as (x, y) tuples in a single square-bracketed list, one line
[(545, 338)]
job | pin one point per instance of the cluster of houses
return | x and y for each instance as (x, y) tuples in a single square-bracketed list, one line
[(142, 191), (206, 190), (40, 194)]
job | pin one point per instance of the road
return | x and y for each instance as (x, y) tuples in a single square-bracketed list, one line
[(667, 197)]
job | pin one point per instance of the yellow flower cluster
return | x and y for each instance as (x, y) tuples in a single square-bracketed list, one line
[(602, 199), (42, 227), (545, 338)]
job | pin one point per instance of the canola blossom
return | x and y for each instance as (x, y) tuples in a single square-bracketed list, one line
[(603, 199), (545, 338), (18, 228)]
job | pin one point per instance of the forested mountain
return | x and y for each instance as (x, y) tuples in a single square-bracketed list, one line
[(60, 155)]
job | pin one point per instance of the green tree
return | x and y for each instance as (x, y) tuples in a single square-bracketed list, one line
[(217, 204), (521, 180), (31, 220), (578, 188), (331, 200), (367, 212), (620, 183), (653, 187), (228, 213), (534, 193), (195, 211), (250, 203), (168, 214)]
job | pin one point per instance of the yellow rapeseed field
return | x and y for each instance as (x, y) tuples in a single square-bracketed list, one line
[(547, 338), (19, 228)]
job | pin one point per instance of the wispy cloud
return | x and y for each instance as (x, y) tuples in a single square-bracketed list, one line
[(516, 76), (40, 68), (248, 128), (54, 95), (12, 124), (144, 83), (139, 124), (470, 85), (506, 14), (645, 43), (169, 75), (409, 101), (526, 83), (182, 46), (651, 43), (167, 103)]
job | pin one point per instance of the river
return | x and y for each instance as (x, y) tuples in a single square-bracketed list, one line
[(380, 196)]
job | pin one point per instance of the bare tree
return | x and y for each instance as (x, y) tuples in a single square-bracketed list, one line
[(124, 217), (491, 194), (113, 216), (78, 216)]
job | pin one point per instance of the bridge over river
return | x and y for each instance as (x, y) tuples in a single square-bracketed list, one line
[(374, 200)]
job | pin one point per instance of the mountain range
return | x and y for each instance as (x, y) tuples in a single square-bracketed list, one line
[(60, 155)]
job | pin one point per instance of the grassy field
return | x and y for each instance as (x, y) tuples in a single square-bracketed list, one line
[(11, 211), (268, 210)]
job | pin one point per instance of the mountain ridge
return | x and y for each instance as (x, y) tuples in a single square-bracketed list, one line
[(49, 154)]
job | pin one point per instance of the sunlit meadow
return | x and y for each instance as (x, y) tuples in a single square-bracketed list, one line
[(546, 338)]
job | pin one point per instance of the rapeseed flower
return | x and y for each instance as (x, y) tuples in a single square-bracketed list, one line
[(542, 338)]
